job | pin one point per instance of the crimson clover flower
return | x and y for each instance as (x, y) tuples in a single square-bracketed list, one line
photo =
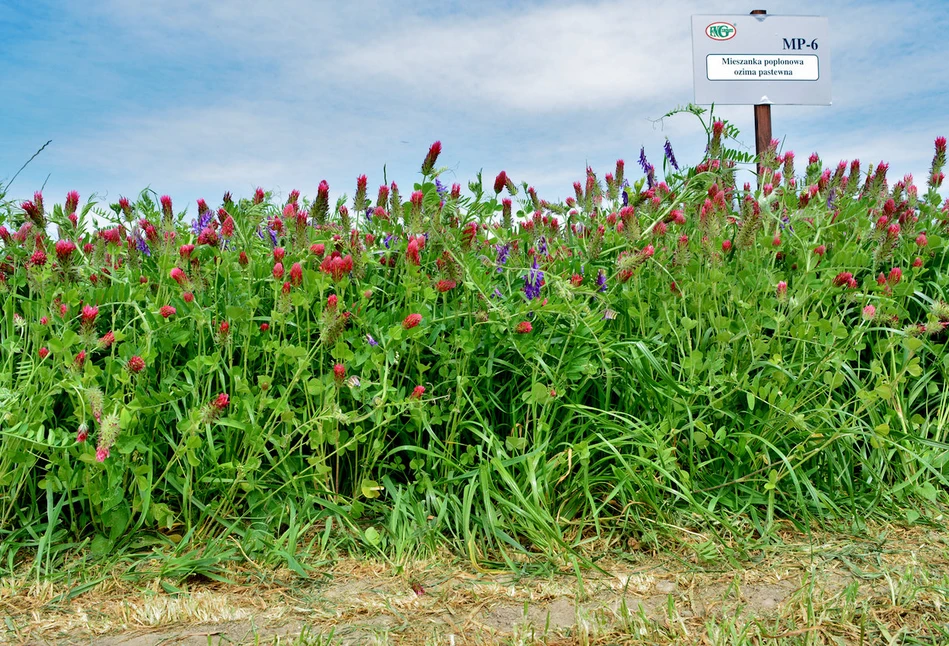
[(135, 365)]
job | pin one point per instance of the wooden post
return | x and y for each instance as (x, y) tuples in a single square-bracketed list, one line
[(762, 122)]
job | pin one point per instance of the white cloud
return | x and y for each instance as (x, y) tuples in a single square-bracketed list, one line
[(292, 92)]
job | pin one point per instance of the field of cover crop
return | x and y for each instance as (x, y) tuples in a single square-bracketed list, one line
[(429, 366)]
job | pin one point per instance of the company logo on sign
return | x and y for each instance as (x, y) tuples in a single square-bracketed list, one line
[(720, 31)]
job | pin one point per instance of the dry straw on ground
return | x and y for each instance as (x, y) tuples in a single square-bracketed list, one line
[(885, 588)]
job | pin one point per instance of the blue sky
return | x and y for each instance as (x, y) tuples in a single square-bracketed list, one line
[(196, 98)]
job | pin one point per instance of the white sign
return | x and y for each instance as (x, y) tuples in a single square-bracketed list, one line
[(761, 59)]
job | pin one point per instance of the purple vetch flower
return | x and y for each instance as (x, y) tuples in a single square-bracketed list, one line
[(651, 176), (601, 281), (533, 281), (831, 196), (273, 237), (140, 242), (371, 341), (440, 188), (542, 246), (667, 148), (388, 240), (503, 251), (369, 214), (785, 223), (497, 293), (201, 222), (642, 160)]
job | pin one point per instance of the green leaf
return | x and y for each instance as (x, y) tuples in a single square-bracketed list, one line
[(927, 491), (370, 489), (294, 351), (372, 536), (100, 545)]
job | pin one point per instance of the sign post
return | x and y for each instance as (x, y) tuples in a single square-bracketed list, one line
[(761, 60), (762, 120)]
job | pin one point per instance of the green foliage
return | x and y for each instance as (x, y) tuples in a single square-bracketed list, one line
[(707, 355)]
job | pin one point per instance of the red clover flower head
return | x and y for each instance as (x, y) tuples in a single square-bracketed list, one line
[(89, 314), (782, 289), (135, 365), (411, 321), (445, 285), (417, 392), (166, 207), (843, 279), (106, 340), (500, 182), (72, 202), (296, 274), (64, 249), (524, 327), (38, 259), (429, 164), (339, 372), (167, 311)]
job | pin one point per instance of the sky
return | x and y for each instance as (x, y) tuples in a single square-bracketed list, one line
[(194, 98)]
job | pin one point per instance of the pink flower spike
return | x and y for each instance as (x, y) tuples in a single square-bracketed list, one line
[(101, 454), (417, 392), (89, 314)]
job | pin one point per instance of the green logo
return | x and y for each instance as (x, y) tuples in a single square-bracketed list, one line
[(720, 31)]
